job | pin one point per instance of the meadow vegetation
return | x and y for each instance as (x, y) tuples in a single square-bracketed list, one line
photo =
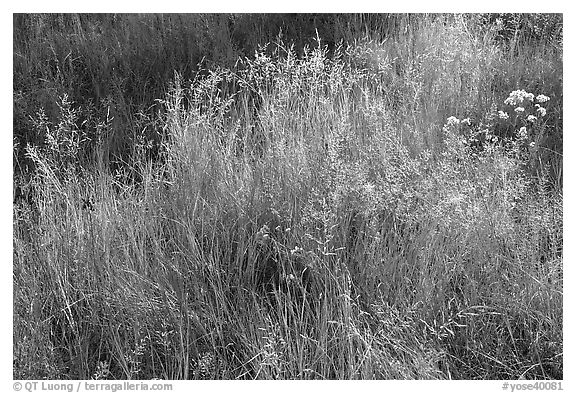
[(288, 197)]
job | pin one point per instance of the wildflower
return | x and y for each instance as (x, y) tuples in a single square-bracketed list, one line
[(296, 250), (541, 112), (541, 98), (531, 118), (263, 235), (517, 97), (503, 115), (452, 121), (523, 133), (519, 110), (532, 144)]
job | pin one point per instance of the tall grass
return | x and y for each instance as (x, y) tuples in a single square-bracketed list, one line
[(313, 214)]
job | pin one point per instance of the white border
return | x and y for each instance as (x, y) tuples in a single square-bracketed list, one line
[(301, 6)]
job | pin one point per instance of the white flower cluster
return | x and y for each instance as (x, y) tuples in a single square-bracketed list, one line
[(523, 133), (517, 97), (452, 121)]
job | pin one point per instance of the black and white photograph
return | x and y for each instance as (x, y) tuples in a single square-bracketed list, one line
[(287, 196)]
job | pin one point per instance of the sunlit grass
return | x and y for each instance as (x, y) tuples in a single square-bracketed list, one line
[(360, 214)]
